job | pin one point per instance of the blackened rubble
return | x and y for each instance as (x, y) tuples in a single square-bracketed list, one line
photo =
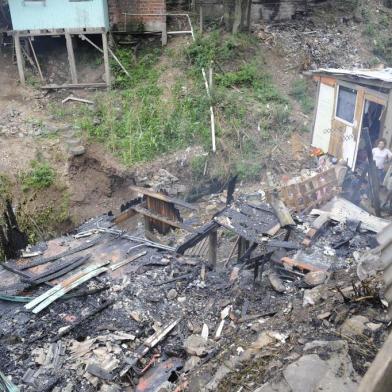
[(164, 321)]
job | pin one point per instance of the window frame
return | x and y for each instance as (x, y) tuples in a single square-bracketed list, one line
[(337, 100)]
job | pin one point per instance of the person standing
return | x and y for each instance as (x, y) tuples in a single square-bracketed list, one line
[(381, 155)]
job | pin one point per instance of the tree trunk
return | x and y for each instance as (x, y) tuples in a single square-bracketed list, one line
[(237, 15)]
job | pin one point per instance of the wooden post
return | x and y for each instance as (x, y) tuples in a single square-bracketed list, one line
[(106, 59), (71, 58), (201, 19), (372, 173), (164, 32), (210, 78), (19, 59), (243, 246), (212, 249), (36, 59)]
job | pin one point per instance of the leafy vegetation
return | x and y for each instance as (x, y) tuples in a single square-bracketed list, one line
[(377, 27), (40, 176), (248, 106), (140, 120), (300, 90), (158, 110)]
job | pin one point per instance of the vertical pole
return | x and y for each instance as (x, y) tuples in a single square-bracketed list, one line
[(106, 59), (71, 58), (212, 249), (372, 172), (164, 31), (243, 246), (19, 59), (201, 19), (36, 59), (210, 77)]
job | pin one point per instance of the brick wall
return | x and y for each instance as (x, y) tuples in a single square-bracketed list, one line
[(118, 20)]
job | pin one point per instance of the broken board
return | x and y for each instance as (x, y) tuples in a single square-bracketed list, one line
[(249, 222), (340, 209)]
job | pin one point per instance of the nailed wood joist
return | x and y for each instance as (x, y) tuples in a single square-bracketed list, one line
[(46, 32), (69, 252), (161, 196), (72, 85), (149, 214), (201, 233), (60, 270)]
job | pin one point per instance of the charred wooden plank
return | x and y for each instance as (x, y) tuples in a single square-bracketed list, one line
[(145, 212), (68, 252), (202, 232), (61, 270), (161, 196)]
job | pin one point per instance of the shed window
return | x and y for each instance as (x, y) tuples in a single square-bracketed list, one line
[(345, 107)]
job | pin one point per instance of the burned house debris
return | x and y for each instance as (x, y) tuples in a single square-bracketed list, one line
[(162, 304)]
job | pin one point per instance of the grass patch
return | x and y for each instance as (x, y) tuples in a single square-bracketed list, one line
[(300, 90), (377, 27), (41, 176), (145, 115), (249, 107), (136, 123)]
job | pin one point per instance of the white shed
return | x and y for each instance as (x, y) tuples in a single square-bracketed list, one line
[(348, 101)]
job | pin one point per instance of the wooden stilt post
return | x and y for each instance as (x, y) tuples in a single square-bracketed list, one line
[(201, 19), (36, 59), (71, 58), (243, 246), (373, 174), (106, 58), (19, 59), (212, 249), (164, 31)]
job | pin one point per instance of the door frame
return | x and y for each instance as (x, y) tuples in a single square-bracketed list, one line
[(375, 99)]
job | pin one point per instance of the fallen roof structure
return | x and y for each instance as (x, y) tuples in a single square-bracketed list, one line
[(106, 309)]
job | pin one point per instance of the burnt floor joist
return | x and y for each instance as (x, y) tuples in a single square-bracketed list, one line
[(252, 224)]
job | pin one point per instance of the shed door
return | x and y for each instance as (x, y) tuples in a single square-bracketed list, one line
[(324, 115), (345, 125)]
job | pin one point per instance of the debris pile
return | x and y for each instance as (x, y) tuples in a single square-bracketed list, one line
[(316, 42), (255, 298)]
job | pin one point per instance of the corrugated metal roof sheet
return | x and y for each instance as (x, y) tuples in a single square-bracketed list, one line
[(383, 75)]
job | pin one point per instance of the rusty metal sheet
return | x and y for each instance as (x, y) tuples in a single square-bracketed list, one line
[(156, 376)]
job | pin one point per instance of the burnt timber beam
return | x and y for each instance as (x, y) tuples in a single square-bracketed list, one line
[(202, 232), (161, 196), (212, 248), (124, 216), (149, 214)]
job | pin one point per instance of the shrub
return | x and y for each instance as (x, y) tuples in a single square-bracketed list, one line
[(300, 91), (40, 176)]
